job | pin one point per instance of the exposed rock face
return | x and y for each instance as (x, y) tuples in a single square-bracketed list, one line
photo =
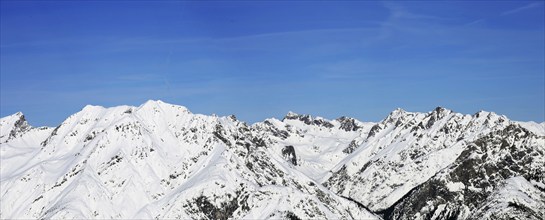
[(161, 161), (348, 124), (309, 120), (471, 186), (394, 170), (352, 146), (13, 126), (289, 153)]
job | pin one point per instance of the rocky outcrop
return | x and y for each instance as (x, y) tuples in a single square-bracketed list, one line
[(289, 154)]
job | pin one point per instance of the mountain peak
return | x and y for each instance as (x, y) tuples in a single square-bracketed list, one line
[(440, 109), (13, 118), (92, 108), (14, 115), (12, 125), (158, 104), (440, 112), (488, 115), (153, 103), (295, 116), (398, 112), (291, 115), (308, 119), (348, 124), (395, 115)]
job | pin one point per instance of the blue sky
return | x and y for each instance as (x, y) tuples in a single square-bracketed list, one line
[(262, 59)]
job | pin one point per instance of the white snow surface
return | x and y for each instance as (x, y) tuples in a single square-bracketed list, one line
[(534, 127), (153, 161), (515, 192), (405, 150), (159, 160)]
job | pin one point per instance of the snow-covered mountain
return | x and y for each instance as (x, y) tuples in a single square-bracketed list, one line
[(161, 161)]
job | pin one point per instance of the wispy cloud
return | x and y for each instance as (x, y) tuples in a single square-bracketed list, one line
[(505, 13), (525, 7), (401, 18), (478, 21), (397, 11)]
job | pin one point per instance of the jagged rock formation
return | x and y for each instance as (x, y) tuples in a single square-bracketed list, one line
[(497, 176), (289, 153), (13, 126), (161, 161)]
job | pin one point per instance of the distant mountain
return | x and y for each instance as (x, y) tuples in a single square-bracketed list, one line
[(161, 161)]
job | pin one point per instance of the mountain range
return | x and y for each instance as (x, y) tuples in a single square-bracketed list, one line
[(160, 160)]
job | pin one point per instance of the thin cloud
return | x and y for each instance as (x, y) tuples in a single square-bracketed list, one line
[(519, 9), (399, 12), (513, 11), (478, 21), (293, 33), (401, 17)]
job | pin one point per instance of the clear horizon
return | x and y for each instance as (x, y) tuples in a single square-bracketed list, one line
[(259, 60)]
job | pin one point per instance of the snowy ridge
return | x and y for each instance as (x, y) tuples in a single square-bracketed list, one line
[(406, 149), (499, 176), (159, 160), (534, 127), (155, 161), (13, 126)]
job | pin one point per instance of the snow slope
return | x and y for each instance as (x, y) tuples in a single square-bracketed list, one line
[(153, 161), (159, 160), (406, 150), (499, 176)]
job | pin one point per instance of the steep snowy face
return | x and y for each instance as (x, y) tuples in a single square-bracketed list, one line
[(160, 160), (18, 141), (498, 176), (397, 171), (13, 126), (538, 129), (154, 161), (405, 150)]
